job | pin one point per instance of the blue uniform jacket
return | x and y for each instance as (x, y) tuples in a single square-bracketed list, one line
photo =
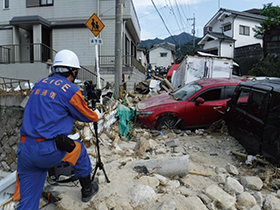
[(55, 103)]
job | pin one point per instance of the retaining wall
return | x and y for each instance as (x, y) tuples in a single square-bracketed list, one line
[(10, 123)]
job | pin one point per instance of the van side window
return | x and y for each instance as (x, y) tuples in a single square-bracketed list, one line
[(257, 104), (211, 95), (242, 99), (273, 117)]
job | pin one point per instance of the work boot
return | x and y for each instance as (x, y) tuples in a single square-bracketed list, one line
[(89, 188)]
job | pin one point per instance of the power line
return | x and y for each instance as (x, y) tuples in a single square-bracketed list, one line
[(164, 22), (151, 12), (171, 8)]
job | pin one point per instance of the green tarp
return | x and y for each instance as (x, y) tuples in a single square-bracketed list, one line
[(125, 115)]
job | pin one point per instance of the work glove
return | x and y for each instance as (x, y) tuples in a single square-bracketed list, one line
[(64, 143), (98, 114)]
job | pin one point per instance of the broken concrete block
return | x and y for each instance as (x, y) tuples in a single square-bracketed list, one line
[(271, 202), (232, 169), (167, 204), (194, 203), (150, 181), (24, 102), (246, 200), (252, 182), (216, 193), (162, 179), (259, 198), (233, 186), (140, 194), (169, 166), (173, 143)]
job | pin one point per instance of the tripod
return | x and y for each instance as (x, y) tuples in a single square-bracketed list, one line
[(94, 95), (99, 164)]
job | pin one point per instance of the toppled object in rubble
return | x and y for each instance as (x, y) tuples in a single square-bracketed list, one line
[(142, 87)]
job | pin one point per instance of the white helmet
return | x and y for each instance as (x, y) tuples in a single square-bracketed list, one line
[(65, 58)]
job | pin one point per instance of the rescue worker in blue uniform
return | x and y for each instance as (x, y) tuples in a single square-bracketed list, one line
[(53, 104)]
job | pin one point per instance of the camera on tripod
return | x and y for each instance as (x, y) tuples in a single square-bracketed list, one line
[(91, 92)]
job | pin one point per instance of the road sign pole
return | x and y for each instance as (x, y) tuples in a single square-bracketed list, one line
[(97, 70), (95, 25), (118, 48)]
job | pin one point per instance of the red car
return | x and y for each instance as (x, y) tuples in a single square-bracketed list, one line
[(196, 105)]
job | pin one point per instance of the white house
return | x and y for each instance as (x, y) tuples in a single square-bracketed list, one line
[(32, 31), (229, 29), (162, 54)]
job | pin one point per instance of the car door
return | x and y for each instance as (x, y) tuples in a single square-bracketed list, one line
[(246, 117), (208, 112)]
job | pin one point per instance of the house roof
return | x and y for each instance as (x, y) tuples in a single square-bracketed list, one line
[(222, 13), (26, 22), (215, 36), (165, 45)]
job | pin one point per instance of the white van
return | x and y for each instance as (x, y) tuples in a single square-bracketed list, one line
[(204, 65)]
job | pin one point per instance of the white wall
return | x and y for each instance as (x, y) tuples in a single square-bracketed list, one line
[(242, 40), (156, 60), (227, 49), (77, 40)]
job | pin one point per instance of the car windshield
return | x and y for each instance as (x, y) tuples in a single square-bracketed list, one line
[(187, 91)]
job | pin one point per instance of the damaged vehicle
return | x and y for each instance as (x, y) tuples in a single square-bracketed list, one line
[(253, 117), (195, 105)]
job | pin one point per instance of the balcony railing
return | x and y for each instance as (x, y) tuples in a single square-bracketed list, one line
[(30, 53), (25, 53), (128, 60)]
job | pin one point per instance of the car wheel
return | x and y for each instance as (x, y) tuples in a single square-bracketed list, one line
[(167, 121)]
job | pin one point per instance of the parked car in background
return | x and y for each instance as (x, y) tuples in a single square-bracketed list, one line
[(253, 117), (196, 105)]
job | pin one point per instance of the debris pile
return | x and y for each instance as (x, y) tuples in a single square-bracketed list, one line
[(172, 170), (154, 86), (168, 169)]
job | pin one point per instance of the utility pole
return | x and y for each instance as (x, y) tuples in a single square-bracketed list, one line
[(193, 30), (118, 48)]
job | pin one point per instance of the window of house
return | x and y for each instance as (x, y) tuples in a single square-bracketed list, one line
[(227, 27), (163, 54), (46, 2), (38, 3), (6, 4), (244, 30)]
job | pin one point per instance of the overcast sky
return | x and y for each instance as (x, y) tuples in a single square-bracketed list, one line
[(166, 17)]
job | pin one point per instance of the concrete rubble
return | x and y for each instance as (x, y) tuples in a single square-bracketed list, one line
[(167, 170)]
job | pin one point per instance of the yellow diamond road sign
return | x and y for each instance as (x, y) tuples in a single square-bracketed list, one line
[(94, 24)]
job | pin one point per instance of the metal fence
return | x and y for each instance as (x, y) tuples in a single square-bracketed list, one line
[(25, 53), (13, 84)]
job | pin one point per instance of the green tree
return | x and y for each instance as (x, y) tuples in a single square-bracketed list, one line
[(273, 19), (267, 67)]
